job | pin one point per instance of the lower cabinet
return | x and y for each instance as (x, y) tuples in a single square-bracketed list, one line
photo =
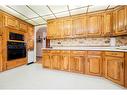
[(0, 53), (65, 60), (55, 61), (77, 63), (46, 60), (111, 65), (94, 65), (114, 69)]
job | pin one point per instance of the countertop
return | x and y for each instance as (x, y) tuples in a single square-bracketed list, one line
[(121, 49)]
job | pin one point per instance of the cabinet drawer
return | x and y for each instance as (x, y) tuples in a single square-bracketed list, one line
[(94, 52), (65, 52), (117, 54), (78, 53), (46, 51), (55, 52)]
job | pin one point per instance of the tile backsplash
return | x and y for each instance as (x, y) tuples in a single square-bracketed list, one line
[(121, 41), (89, 42), (77, 42)]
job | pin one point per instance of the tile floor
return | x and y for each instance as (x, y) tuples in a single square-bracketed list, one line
[(35, 77)]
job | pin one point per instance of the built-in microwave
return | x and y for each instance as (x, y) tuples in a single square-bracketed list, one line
[(16, 36)]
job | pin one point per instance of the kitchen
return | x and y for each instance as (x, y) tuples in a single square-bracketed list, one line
[(81, 41)]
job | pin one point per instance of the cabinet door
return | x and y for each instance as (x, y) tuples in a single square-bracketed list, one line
[(79, 25), (46, 61), (77, 64), (65, 60), (1, 23), (94, 25), (51, 29), (59, 29), (114, 69), (11, 22), (0, 53), (22, 26), (67, 26), (30, 38), (121, 21), (56, 60), (108, 25), (94, 65)]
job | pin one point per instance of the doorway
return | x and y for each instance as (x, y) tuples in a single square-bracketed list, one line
[(40, 43)]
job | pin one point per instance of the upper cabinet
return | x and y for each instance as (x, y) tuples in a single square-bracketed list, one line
[(67, 26), (30, 37), (120, 22), (11, 22), (22, 26), (51, 29), (112, 22), (108, 24), (1, 24), (95, 22), (79, 25), (59, 28)]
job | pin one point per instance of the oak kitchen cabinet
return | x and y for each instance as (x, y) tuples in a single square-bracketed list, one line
[(51, 28), (11, 22), (95, 22), (59, 28), (30, 37), (94, 63), (22, 26), (120, 15), (0, 53), (79, 26), (77, 61), (114, 67), (65, 60), (108, 24), (46, 59), (55, 59), (67, 26), (1, 24)]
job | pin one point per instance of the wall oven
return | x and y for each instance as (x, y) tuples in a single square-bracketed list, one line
[(16, 50)]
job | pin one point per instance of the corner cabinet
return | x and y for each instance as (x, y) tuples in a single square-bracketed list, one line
[(95, 22), (121, 20), (114, 67)]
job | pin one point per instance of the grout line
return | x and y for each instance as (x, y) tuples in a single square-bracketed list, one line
[(19, 13), (51, 11), (107, 8), (35, 12), (68, 10)]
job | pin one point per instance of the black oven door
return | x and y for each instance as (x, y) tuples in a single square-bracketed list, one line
[(16, 50)]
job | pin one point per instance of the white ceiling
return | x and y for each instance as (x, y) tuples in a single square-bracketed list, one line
[(37, 14)]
